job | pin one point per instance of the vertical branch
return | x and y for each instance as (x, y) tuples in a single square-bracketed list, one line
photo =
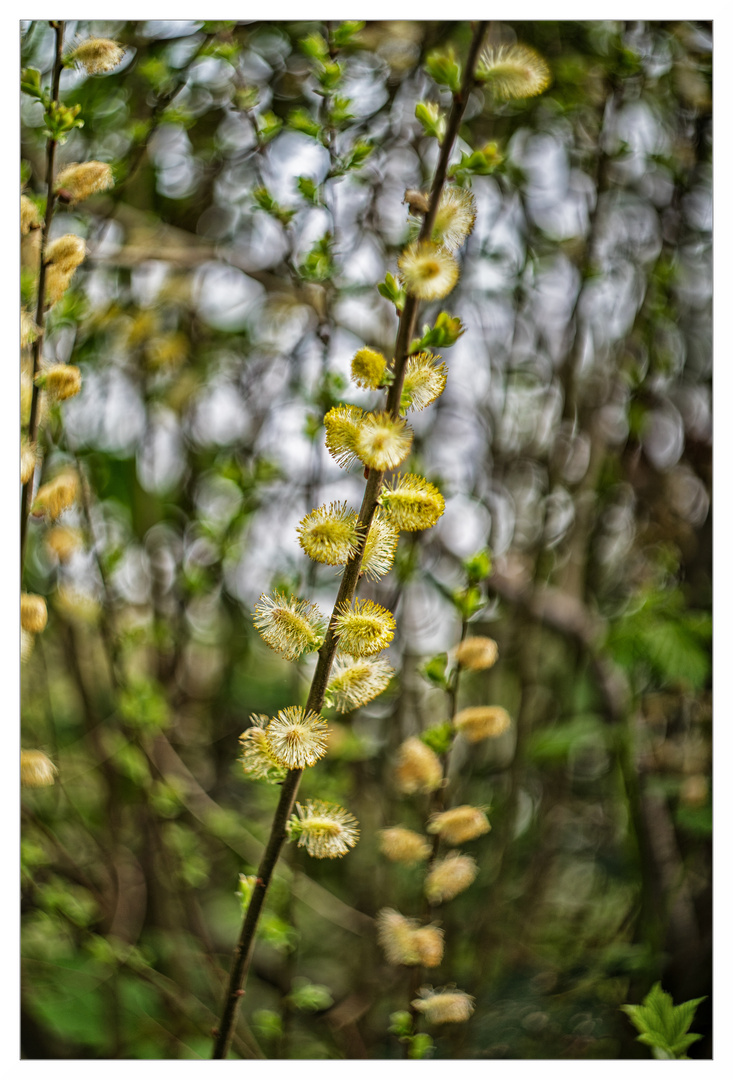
[(27, 490), (349, 580)]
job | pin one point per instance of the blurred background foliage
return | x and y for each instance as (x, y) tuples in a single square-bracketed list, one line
[(230, 277)]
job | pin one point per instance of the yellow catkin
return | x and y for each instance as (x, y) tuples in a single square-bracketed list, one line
[(363, 627), (403, 845), (60, 381), (297, 738), (30, 215), (79, 181), (480, 722), (444, 1006), (407, 943), (33, 613), (368, 368), (459, 824), (418, 768), (28, 460), (63, 542), (98, 55), (325, 830), (56, 496), (513, 71), (382, 441), (36, 769), (477, 653), (455, 217), (449, 876), (428, 271)]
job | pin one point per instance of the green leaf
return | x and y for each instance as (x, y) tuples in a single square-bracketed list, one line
[(391, 291), (268, 125), (434, 670), (359, 153), (267, 1023), (432, 118), (309, 997), (30, 83), (445, 69), (265, 201), (61, 119), (468, 601), (478, 566), (330, 75), (318, 263), (439, 738), (300, 120), (340, 112), (477, 163), (246, 97), (400, 1024), (345, 31), (420, 1046), (308, 188), (664, 1025), (315, 47)]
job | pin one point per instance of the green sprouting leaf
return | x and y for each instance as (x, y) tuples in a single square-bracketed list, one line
[(663, 1025), (420, 1046), (478, 566), (267, 1023), (432, 118), (265, 201), (340, 112), (246, 97), (318, 263), (278, 934), (359, 153), (400, 1024), (300, 120), (30, 83), (345, 31), (468, 601), (61, 119), (439, 738), (477, 163), (315, 47), (330, 75), (445, 69), (434, 670), (268, 125), (445, 333), (390, 290), (308, 188), (309, 997)]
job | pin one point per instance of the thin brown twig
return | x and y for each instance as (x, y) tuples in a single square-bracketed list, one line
[(289, 791), (27, 490)]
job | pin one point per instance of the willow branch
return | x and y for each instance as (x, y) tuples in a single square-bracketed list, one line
[(289, 791), (51, 145)]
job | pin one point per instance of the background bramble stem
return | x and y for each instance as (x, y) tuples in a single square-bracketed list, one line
[(27, 490), (349, 580)]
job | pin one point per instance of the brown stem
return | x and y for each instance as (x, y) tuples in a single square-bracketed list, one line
[(40, 303), (243, 951)]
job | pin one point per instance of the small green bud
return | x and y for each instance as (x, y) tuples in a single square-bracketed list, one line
[(439, 738), (478, 566), (434, 670), (445, 69), (300, 120)]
